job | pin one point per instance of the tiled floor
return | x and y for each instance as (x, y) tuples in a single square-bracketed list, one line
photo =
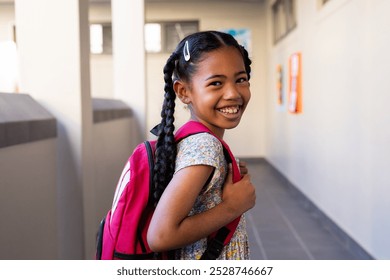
[(279, 227)]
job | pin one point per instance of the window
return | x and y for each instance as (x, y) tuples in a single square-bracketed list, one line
[(160, 37), (9, 71), (100, 38), (163, 37), (153, 37), (284, 21)]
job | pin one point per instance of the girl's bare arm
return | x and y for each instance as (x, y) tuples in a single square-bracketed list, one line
[(172, 228)]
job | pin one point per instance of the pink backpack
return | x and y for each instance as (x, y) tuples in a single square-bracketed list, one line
[(122, 233)]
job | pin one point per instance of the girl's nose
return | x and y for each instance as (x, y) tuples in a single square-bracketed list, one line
[(232, 92)]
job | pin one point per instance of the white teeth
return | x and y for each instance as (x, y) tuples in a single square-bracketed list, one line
[(230, 110)]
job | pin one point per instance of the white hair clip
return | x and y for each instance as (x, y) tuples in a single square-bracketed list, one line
[(186, 52)]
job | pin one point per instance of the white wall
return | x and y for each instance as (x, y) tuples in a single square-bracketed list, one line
[(28, 201), (102, 76), (102, 84), (337, 151), (9, 79), (54, 69), (7, 20)]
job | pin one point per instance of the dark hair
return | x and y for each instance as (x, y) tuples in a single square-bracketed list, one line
[(178, 68)]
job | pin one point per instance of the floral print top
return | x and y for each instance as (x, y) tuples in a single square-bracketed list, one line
[(205, 149)]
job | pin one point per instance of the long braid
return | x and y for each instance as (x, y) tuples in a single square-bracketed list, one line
[(166, 147)]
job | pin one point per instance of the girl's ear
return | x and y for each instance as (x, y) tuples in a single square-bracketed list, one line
[(181, 90)]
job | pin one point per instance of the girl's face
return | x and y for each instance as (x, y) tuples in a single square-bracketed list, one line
[(219, 90)]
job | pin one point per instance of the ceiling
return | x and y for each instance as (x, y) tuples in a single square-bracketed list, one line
[(178, 1), (155, 1)]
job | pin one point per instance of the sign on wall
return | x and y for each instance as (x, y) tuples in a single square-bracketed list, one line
[(279, 84), (243, 37), (295, 83)]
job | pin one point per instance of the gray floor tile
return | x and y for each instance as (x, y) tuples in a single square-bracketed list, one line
[(282, 226)]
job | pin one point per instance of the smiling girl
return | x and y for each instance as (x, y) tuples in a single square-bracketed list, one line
[(209, 71)]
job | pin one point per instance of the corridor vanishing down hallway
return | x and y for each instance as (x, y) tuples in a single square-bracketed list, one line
[(284, 225)]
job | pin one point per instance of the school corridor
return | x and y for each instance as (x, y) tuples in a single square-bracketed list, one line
[(81, 84)]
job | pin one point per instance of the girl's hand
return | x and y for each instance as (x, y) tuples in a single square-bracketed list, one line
[(242, 166), (240, 196)]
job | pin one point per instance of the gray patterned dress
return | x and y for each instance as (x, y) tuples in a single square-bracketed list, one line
[(205, 149)]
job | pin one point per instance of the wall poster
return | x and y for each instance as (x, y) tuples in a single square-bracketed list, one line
[(243, 37), (295, 83), (279, 84)]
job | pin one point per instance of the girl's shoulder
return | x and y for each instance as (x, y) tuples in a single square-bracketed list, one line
[(201, 148), (202, 142)]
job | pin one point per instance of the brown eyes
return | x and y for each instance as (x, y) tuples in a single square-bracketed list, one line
[(242, 80), (215, 83), (219, 83)]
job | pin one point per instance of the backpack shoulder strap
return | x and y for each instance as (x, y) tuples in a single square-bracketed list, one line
[(194, 127), (222, 237)]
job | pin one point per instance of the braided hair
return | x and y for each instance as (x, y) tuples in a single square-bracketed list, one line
[(182, 66)]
